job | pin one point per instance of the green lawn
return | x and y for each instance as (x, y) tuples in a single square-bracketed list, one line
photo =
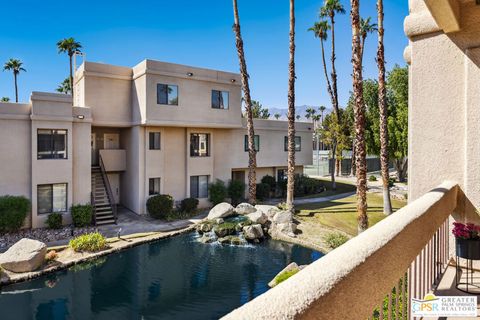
[(342, 214)]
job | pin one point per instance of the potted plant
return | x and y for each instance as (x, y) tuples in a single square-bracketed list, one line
[(467, 240)]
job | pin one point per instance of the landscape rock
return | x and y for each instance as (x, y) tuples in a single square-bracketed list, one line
[(245, 208), (207, 239), (24, 256), (224, 229), (219, 221), (221, 210), (283, 217), (204, 228), (234, 240), (288, 228), (253, 232), (291, 267), (270, 211), (258, 217)]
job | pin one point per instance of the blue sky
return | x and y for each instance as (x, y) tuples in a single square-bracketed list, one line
[(195, 33)]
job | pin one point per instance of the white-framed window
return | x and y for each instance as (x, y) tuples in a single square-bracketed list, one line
[(153, 186), (199, 186), (220, 99), (51, 198), (167, 94), (199, 145), (52, 144), (154, 140)]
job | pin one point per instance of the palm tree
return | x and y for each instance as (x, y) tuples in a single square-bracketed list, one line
[(330, 9), (5, 99), (252, 154), (297, 117), (359, 114), (277, 116), (15, 66), (291, 112), (320, 30), (69, 46), (310, 112), (64, 87), (366, 27), (382, 105)]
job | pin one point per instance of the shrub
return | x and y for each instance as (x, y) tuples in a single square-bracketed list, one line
[(160, 206), (372, 178), (13, 211), (90, 242), (391, 182), (179, 215), (305, 185), (189, 205), (236, 191), (54, 220), (51, 255), (81, 215), (217, 192), (263, 191), (270, 181), (335, 239)]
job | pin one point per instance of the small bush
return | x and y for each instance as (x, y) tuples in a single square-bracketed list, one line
[(51, 256), (285, 275), (189, 205), (160, 206), (270, 181), (179, 215), (81, 215), (90, 242), (54, 220), (335, 239), (13, 211), (236, 191), (391, 182), (217, 192), (263, 191), (372, 178)]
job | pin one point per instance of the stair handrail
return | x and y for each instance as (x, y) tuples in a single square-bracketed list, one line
[(109, 190), (94, 211)]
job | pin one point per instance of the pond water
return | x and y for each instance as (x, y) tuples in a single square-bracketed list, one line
[(176, 278)]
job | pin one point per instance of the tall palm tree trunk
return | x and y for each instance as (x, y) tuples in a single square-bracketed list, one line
[(382, 104), (71, 77), (334, 71), (352, 168), (16, 86), (329, 86), (252, 157), (359, 112), (291, 111), (332, 174)]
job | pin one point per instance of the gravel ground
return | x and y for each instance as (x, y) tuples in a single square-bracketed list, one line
[(43, 234)]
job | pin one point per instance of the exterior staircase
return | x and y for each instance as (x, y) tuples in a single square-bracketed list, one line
[(103, 203)]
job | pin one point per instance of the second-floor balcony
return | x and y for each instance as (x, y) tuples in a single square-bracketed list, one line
[(375, 275)]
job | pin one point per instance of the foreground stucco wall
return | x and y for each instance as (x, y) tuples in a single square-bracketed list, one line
[(444, 104)]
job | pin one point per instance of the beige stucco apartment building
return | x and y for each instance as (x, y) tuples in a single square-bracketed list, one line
[(154, 128)]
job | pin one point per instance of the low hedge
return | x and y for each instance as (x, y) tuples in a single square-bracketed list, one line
[(54, 220), (13, 211), (81, 215), (90, 242), (189, 205), (217, 192), (160, 206)]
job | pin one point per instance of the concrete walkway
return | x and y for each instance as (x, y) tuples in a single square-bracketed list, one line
[(314, 200), (130, 223)]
